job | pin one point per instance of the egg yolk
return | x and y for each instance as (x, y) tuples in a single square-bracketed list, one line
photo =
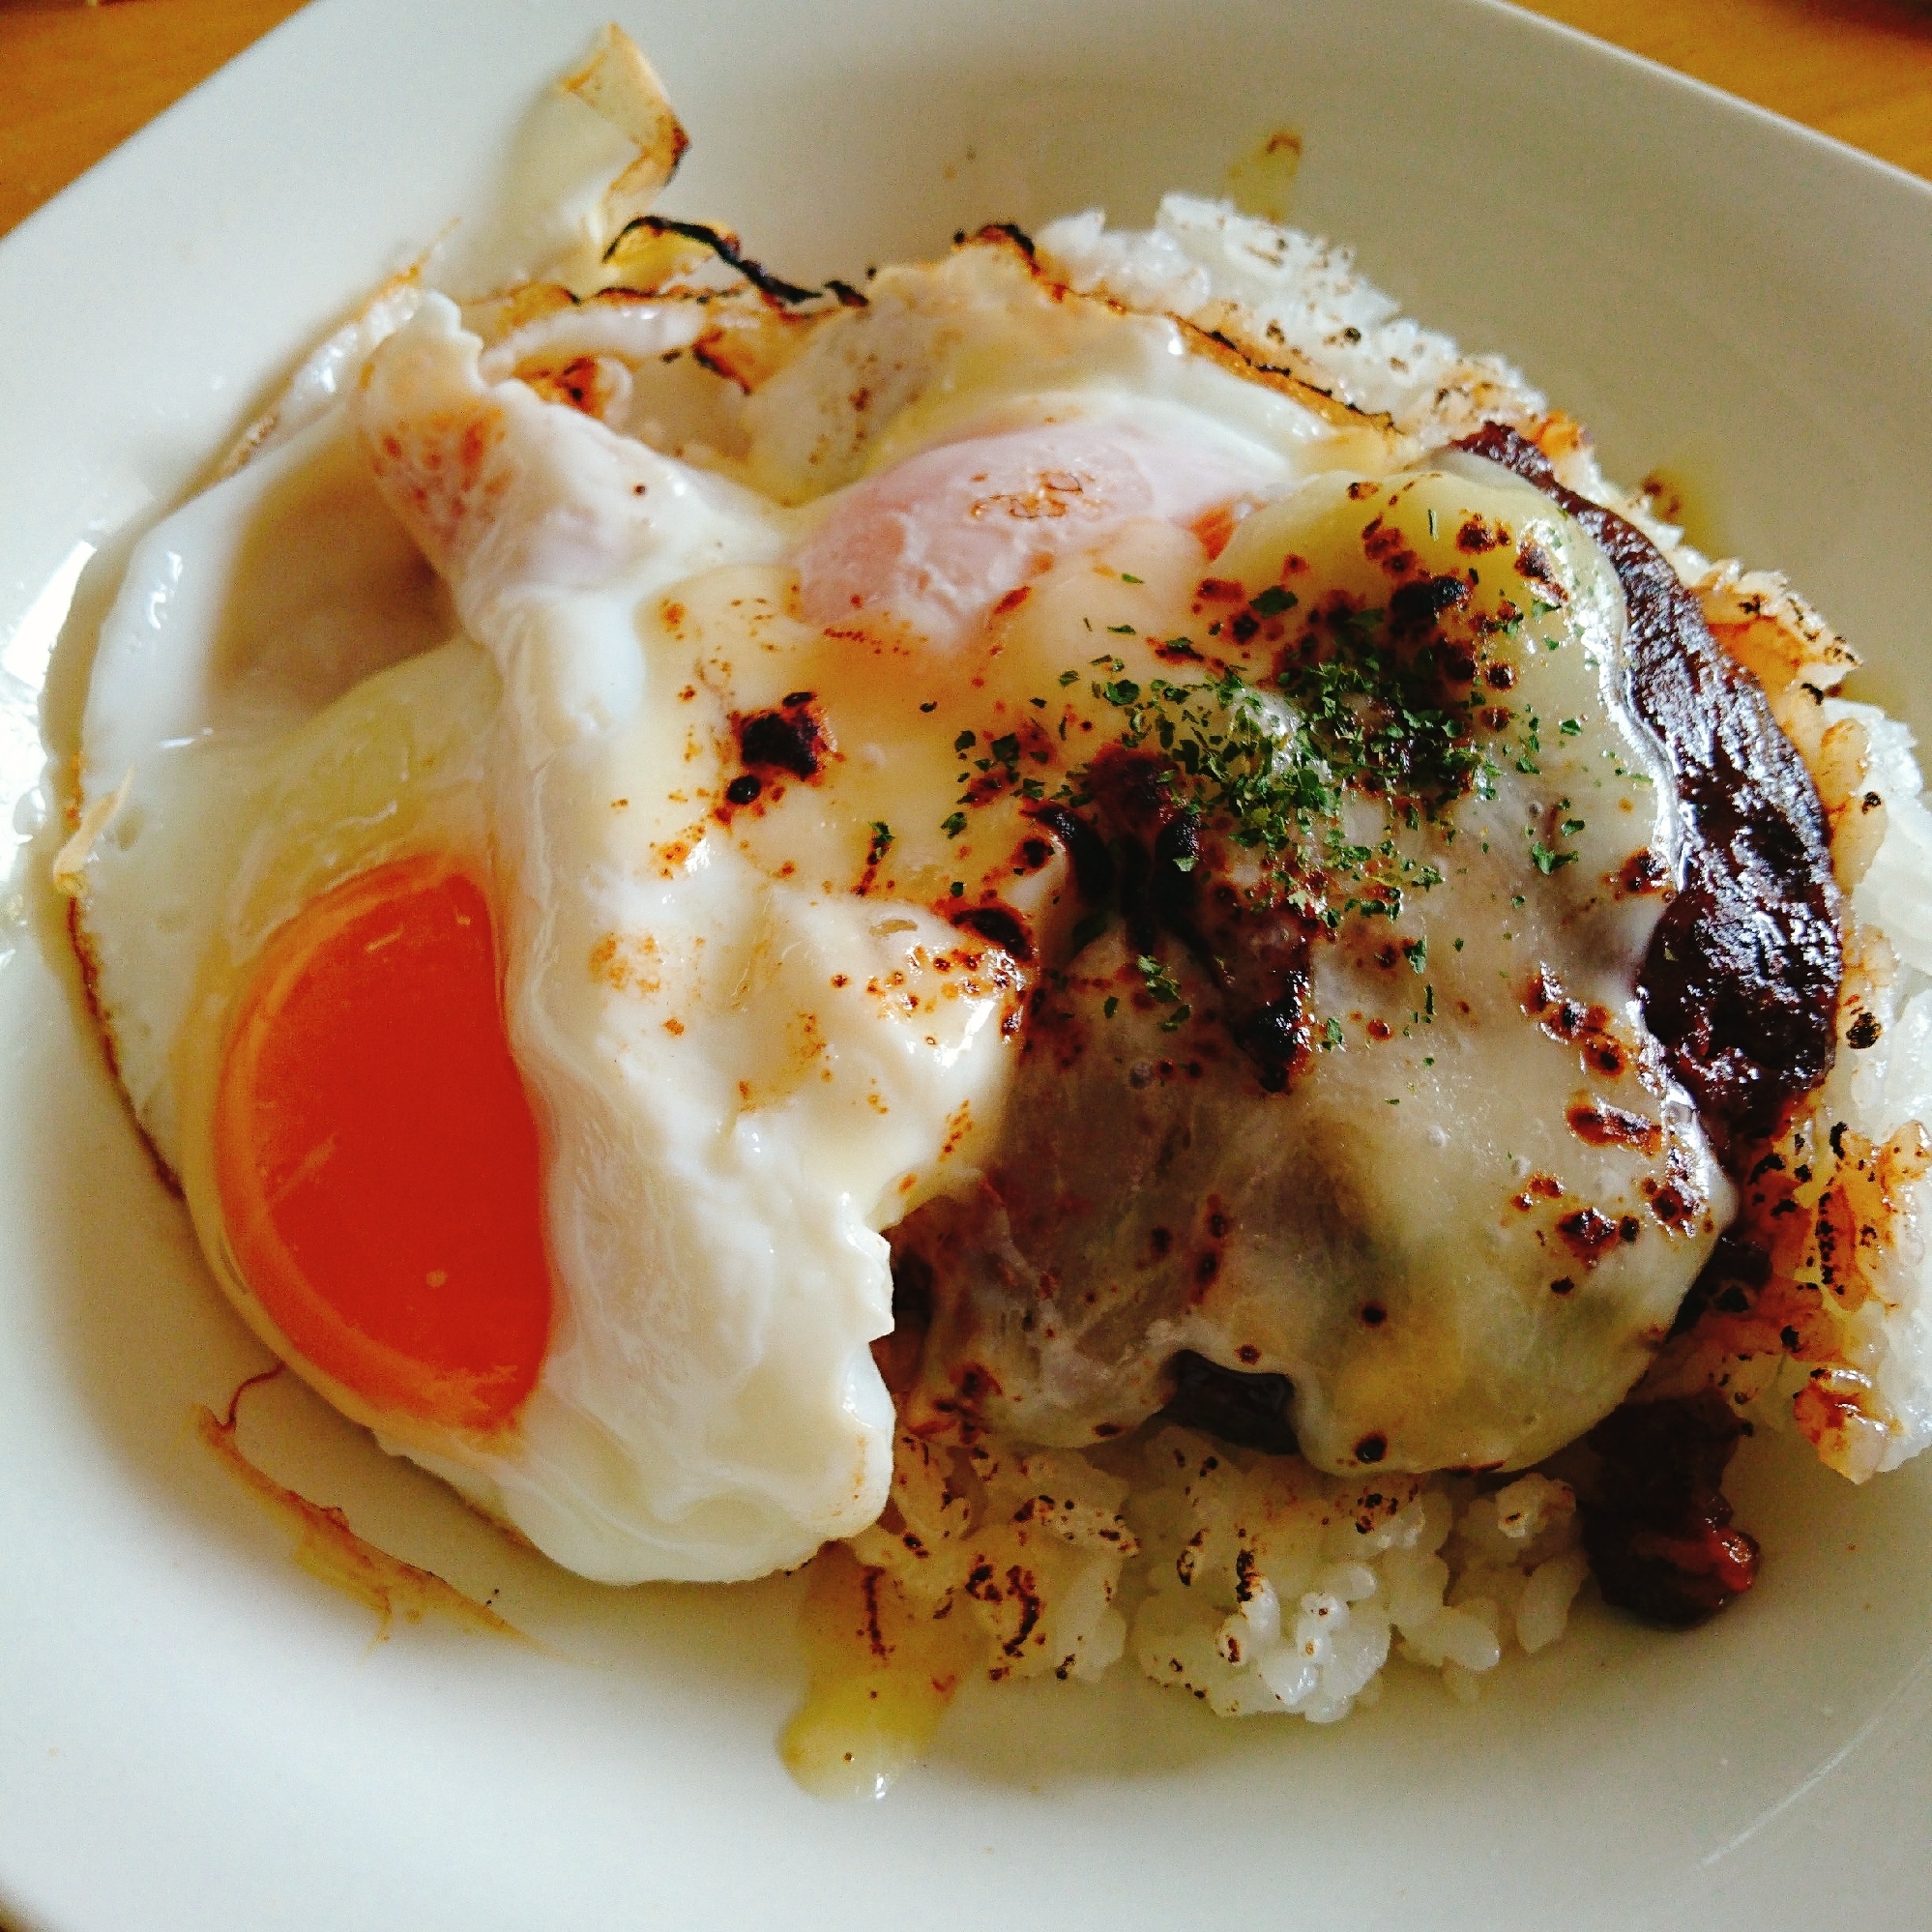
[(939, 537), (376, 1159)]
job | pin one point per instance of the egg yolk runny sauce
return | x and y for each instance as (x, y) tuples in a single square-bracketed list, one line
[(375, 1155)]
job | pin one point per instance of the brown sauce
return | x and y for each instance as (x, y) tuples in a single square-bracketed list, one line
[(1742, 977)]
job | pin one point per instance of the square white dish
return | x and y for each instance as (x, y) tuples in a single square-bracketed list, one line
[(190, 1725)]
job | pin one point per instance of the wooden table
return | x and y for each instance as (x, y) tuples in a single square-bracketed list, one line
[(75, 79)]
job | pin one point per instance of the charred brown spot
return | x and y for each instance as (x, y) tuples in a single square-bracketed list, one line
[(744, 789), (1423, 605), (1498, 675), (1535, 563), (1249, 1410), (1600, 1126), (791, 738), (1643, 872), (1538, 1187), (1863, 1032), (1562, 1017), (1590, 1234), (1001, 924), (1671, 1206), (1387, 547), (1585, 1028), (1130, 789), (1168, 878), (1278, 1039), (577, 384), (1010, 233), (1371, 1448)]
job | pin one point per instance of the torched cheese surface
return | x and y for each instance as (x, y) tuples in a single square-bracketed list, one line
[(1365, 1102)]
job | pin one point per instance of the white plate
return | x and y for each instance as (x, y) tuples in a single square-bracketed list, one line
[(195, 1730)]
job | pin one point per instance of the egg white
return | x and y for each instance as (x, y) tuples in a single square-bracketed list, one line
[(743, 1069)]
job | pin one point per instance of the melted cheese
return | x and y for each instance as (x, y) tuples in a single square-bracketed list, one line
[(1466, 1224)]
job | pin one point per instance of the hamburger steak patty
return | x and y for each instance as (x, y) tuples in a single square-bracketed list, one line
[(1741, 982), (1157, 1254)]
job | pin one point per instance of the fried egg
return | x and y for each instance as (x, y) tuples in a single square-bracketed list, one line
[(550, 976), (584, 840)]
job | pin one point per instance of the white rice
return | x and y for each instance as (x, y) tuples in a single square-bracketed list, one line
[(1256, 1582), (1878, 1091), (1293, 301)]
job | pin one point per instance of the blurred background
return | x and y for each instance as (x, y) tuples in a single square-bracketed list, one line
[(77, 78)]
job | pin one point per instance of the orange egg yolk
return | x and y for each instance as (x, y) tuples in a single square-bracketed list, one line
[(376, 1159)]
